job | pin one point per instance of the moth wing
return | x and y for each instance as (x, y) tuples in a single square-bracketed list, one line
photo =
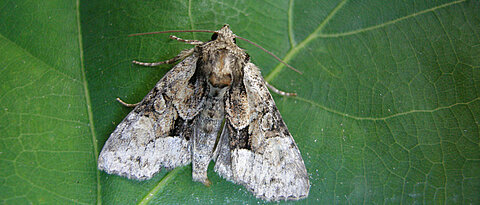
[(261, 154), (155, 134)]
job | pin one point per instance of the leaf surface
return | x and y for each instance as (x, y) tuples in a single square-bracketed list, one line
[(387, 107)]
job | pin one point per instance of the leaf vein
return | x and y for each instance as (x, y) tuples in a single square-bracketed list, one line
[(49, 191), (31, 56), (386, 117), (291, 35), (161, 184), (333, 35), (293, 51), (87, 100)]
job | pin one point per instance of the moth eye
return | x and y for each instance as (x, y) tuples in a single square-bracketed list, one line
[(235, 40), (214, 36)]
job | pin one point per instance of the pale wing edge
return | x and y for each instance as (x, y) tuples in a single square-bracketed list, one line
[(271, 166), (140, 146)]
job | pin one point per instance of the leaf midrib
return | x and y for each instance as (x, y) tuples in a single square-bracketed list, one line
[(88, 101)]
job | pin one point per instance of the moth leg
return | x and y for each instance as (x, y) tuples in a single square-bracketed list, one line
[(127, 104), (191, 42), (181, 55), (275, 90)]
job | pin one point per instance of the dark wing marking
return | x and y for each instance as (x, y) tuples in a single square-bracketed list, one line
[(156, 134), (263, 155)]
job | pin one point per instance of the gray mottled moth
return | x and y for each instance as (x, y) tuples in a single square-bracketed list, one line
[(180, 119)]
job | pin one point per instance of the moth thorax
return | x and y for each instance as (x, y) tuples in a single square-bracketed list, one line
[(222, 64)]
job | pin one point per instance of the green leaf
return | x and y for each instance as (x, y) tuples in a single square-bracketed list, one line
[(387, 109)]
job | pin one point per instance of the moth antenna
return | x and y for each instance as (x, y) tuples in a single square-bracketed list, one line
[(172, 31), (258, 46), (208, 31)]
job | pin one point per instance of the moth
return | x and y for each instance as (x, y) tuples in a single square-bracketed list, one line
[(213, 105)]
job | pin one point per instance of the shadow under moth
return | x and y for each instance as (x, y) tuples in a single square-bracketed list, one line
[(180, 122)]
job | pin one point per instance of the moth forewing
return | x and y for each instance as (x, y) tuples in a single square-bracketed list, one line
[(179, 120)]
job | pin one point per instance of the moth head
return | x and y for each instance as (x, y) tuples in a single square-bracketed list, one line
[(223, 53), (224, 35)]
